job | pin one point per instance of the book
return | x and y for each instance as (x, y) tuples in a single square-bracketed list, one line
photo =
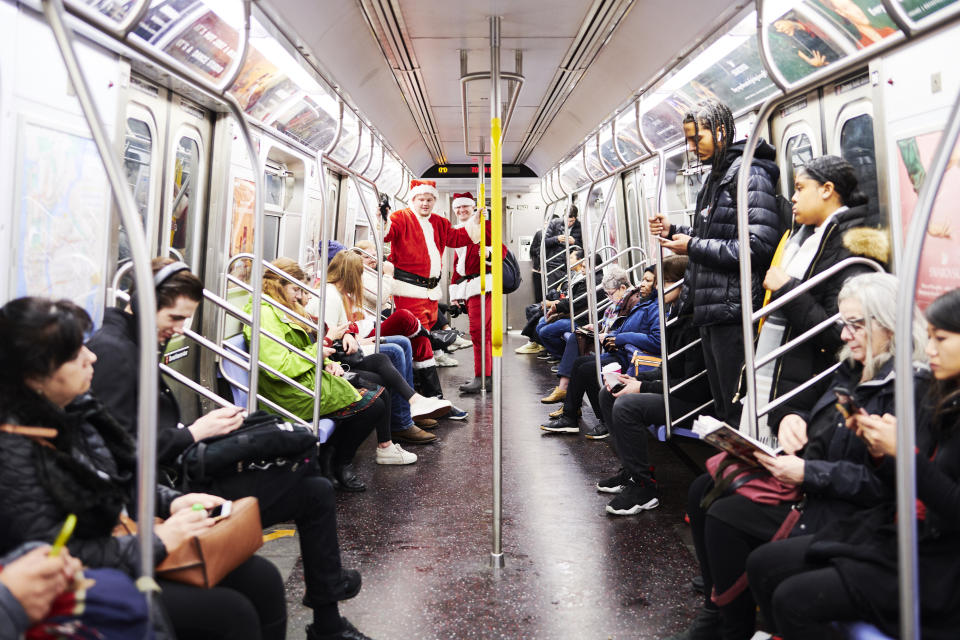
[(726, 438)]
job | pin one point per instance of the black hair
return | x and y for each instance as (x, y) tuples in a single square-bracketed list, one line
[(718, 118), (39, 335), (841, 173), (573, 212), (577, 253), (944, 314), (180, 284)]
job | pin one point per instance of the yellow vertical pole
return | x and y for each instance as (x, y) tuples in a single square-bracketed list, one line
[(496, 234)]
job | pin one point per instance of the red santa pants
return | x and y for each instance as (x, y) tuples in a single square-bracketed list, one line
[(403, 323), (473, 312), (423, 309)]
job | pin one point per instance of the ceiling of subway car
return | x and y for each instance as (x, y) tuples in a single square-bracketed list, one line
[(612, 49)]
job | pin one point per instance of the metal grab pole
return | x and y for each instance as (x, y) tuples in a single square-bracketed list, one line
[(146, 322), (481, 199), (903, 382), (322, 302), (378, 244), (591, 276), (496, 339), (543, 258)]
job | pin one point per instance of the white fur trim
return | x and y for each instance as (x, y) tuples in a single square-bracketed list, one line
[(421, 189), (426, 228), (407, 290), (463, 202), (424, 364), (472, 287), (458, 291)]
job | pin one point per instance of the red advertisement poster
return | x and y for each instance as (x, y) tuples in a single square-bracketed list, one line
[(940, 257)]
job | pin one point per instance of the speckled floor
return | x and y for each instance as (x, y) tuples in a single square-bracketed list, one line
[(421, 534)]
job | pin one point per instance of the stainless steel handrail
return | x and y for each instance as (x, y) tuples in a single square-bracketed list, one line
[(906, 461), (378, 245), (147, 322), (591, 276), (193, 386)]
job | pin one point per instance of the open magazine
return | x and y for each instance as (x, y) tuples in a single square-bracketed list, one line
[(726, 438)]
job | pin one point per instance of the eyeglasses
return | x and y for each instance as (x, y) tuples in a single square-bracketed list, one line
[(853, 325), (610, 293)]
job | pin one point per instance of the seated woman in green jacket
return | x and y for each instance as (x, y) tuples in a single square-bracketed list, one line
[(356, 411)]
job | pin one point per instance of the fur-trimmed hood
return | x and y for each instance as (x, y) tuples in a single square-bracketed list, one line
[(868, 242)]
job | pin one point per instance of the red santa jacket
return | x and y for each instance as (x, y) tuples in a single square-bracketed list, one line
[(413, 250), (464, 281)]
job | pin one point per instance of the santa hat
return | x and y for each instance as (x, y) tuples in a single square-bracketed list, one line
[(423, 187), (463, 200)]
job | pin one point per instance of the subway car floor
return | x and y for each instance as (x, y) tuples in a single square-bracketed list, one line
[(421, 534)]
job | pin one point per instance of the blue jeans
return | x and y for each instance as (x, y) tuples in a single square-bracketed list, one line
[(398, 349), (551, 335), (570, 353)]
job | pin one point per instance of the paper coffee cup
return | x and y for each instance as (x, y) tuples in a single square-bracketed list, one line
[(610, 373)]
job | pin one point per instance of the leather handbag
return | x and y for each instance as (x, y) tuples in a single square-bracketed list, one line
[(204, 560), (755, 483)]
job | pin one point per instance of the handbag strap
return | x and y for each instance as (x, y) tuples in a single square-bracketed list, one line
[(726, 484), (738, 587), (40, 435)]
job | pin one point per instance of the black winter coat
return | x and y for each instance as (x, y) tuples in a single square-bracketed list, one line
[(116, 383), (845, 236), (85, 475), (864, 548), (714, 270), (555, 250)]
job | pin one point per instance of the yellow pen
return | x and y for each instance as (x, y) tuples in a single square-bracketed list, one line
[(65, 532)]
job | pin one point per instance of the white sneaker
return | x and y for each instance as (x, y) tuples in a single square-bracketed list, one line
[(461, 343), (395, 454), (430, 408), (530, 347), (444, 360)]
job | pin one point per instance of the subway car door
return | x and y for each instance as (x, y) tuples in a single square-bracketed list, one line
[(795, 132), (183, 221)]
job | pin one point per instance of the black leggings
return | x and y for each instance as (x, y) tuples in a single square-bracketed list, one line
[(389, 377), (350, 432), (248, 604), (583, 379), (798, 598)]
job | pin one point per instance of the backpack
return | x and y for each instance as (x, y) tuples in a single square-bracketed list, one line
[(511, 273)]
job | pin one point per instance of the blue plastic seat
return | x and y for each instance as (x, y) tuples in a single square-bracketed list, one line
[(864, 631), (234, 373)]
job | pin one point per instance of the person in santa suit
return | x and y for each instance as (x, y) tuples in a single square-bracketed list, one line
[(465, 285), (417, 238)]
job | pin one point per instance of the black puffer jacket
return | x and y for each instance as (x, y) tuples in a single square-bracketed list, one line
[(90, 473), (555, 250), (846, 236), (116, 383), (714, 269)]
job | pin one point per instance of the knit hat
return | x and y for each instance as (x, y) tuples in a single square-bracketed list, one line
[(463, 200), (423, 187)]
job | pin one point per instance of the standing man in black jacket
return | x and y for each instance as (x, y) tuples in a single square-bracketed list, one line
[(560, 233), (714, 250)]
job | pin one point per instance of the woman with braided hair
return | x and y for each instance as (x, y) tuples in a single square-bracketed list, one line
[(712, 244)]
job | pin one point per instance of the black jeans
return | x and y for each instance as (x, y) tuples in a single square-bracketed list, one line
[(351, 432), (305, 497), (627, 419), (529, 330), (248, 604), (537, 286), (723, 355), (798, 598), (583, 380)]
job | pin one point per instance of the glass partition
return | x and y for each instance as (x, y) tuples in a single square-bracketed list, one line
[(628, 135), (729, 70), (311, 120), (113, 10), (363, 156), (591, 157), (557, 187), (681, 184), (596, 201), (349, 139), (389, 181), (607, 152), (573, 175)]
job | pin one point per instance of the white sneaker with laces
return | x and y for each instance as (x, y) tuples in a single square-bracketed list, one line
[(395, 454), (461, 343), (530, 347), (445, 360), (429, 407)]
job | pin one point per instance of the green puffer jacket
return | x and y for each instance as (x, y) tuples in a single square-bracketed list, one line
[(335, 393)]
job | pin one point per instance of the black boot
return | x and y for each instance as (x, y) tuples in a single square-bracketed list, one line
[(347, 479), (706, 626), (427, 382), (475, 385)]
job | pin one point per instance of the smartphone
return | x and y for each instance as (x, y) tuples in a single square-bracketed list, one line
[(846, 405), (617, 388), (222, 510)]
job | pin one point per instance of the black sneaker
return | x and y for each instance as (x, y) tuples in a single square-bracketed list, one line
[(598, 432), (706, 626), (635, 497), (563, 424), (545, 355), (347, 632), (614, 484)]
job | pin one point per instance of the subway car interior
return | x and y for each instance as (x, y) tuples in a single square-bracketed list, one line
[(709, 245)]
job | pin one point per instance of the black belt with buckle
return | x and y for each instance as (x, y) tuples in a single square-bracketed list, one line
[(412, 278)]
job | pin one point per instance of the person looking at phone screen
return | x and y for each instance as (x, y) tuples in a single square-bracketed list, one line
[(825, 459)]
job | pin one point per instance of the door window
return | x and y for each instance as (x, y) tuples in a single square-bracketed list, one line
[(137, 162), (857, 148), (798, 152), (184, 197)]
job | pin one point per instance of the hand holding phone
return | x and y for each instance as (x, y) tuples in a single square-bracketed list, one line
[(846, 404), (222, 510)]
